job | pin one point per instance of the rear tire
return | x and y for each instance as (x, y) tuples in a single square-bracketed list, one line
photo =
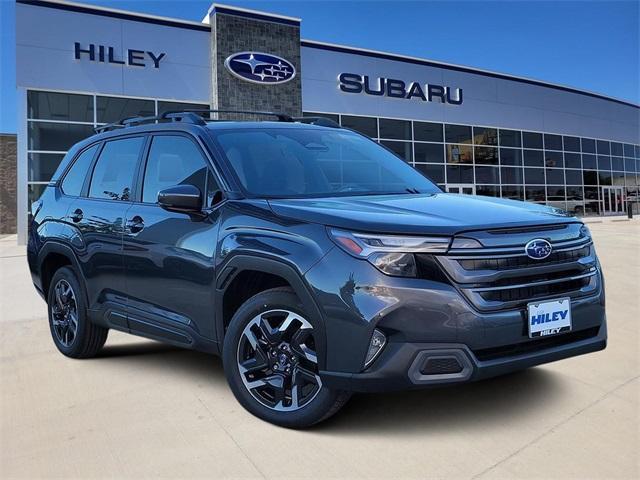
[(270, 361), (72, 332)]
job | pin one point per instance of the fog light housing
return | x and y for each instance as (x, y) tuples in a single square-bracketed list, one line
[(377, 343)]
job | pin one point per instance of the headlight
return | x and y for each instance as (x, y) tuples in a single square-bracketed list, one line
[(585, 232), (391, 254)]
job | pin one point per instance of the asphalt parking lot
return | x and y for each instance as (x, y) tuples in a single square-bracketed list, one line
[(143, 409)]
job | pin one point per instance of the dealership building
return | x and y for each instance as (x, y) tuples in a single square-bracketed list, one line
[(471, 131)]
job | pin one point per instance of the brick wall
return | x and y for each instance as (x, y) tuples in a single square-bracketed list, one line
[(232, 34), (8, 184)]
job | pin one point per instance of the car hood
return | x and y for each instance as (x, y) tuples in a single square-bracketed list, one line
[(439, 213)]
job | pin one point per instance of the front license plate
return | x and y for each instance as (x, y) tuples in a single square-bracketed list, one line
[(549, 318)]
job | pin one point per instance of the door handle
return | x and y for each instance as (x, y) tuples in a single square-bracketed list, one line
[(136, 224), (76, 216)]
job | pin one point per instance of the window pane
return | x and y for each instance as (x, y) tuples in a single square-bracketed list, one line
[(429, 152), (168, 106), (534, 176), (535, 194), (553, 159), (59, 106), (511, 175), (486, 155), (616, 149), (402, 149), (457, 133), (552, 142), (487, 175), (629, 165), (533, 158), (590, 177), (459, 174), (572, 160), (56, 136), (604, 162), (397, 129), (628, 150), (365, 125), (588, 145), (571, 144), (434, 172), (591, 200), (513, 192), (604, 177), (555, 176), (75, 177), (603, 147), (427, 132), (531, 140), (589, 161), (485, 136), (113, 174), (112, 109), (510, 156), (42, 166), (617, 163), (509, 138), (574, 177), (459, 154), (173, 160), (488, 190)]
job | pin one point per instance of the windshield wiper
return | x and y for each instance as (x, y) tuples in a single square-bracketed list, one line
[(412, 190)]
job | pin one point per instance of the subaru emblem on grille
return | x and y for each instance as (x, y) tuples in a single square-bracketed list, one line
[(538, 249)]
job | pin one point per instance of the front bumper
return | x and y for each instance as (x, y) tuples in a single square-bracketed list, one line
[(401, 365), (425, 319)]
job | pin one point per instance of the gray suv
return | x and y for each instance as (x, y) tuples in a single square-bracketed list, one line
[(312, 259)]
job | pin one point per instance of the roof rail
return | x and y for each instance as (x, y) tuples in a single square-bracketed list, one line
[(195, 117), (282, 117)]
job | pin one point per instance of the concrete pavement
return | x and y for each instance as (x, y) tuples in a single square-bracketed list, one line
[(143, 409)]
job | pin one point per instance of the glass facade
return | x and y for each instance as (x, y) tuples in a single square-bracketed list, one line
[(56, 121), (585, 176)]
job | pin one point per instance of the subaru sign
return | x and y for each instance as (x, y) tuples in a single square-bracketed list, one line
[(538, 249), (257, 67)]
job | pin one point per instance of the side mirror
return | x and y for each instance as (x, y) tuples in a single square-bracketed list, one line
[(181, 198)]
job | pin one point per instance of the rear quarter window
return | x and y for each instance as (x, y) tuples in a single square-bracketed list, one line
[(75, 177)]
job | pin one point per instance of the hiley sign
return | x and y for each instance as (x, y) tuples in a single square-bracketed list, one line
[(106, 54), (394, 88)]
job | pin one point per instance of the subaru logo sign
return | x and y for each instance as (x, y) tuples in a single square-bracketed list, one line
[(257, 67), (538, 249)]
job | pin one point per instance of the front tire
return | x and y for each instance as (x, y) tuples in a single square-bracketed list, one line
[(72, 332), (271, 362)]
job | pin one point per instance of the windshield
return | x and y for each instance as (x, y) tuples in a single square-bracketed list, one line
[(288, 162)]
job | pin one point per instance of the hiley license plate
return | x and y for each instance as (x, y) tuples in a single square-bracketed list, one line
[(549, 318)]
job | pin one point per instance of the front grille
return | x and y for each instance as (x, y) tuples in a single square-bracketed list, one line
[(510, 263), (535, 345), (501, 276), (535, 292)]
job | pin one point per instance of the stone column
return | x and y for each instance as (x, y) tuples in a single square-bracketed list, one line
[(234, 31)]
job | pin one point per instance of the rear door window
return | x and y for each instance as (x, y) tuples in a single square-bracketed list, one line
[(113, 175), (75, 177)]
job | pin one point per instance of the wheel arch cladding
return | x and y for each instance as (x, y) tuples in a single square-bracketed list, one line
[(257, 274), (52, 256)]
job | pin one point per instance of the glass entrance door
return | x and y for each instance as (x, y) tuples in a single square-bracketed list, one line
[(613, 200), (466, 188)]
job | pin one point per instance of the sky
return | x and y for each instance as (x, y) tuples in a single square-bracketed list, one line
[(590, 45)]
